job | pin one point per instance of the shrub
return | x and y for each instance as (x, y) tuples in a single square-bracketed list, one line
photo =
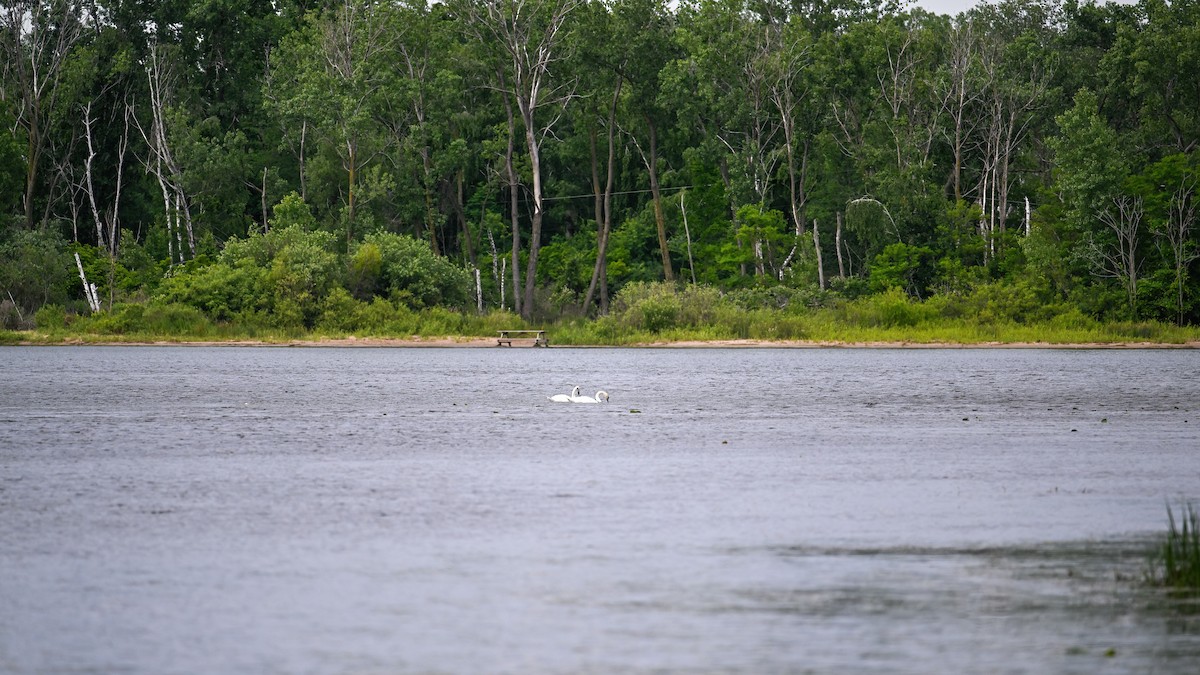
[(438, 321), (50, 318), (10, 315), (174, 319), (119, 320), (890, 309), (37, 269), (222, 291), (339, 312), (903, 266), (652, 307), (1071, 318), (491, 322), (408, 268)]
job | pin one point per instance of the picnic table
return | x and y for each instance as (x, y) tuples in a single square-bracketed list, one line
[(537, 336)]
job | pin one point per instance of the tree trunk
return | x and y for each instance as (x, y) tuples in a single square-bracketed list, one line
[(89, 290), (87, 174), (430, 210), (820, 264), (837, 245), (461, 210), (659, 218), (535, 227), (35, 151), (603, 208), (687, 234), (513, 187), (352, 175), (598, 209)]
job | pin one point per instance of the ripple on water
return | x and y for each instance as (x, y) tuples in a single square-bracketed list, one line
[(388, 510)]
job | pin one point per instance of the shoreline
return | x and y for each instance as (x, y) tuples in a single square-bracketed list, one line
[(482, 342)]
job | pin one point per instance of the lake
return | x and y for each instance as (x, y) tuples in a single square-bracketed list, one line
[(414, 510)]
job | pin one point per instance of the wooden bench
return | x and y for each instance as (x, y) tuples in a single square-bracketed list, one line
[(507, 336)]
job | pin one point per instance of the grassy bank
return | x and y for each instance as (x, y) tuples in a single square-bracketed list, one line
[(644, 314)]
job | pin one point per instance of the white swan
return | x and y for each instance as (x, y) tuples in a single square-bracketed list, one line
[(576, 397), (567, 398)]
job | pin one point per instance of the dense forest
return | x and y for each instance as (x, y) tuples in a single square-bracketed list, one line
[(329, 164)]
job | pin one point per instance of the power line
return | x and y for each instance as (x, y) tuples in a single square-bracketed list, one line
[(592, 195)]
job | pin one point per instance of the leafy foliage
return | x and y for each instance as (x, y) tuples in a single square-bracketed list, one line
[(277, 165)]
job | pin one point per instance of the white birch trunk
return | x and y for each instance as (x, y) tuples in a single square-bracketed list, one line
[(820, 263), (478, 292), (687, 233), (837, 245), (89, 290), (87, 174)]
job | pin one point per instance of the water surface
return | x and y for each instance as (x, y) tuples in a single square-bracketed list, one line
[(314, 510)]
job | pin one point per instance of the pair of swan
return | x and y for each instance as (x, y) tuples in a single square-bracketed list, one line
[(575, 397)]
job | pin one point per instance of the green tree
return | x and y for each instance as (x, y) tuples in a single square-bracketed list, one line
[(902, 266), (36, 39), (1091, 168), (1090, 159), (35, 269), (525, 41), (409, 270), (327, 78)]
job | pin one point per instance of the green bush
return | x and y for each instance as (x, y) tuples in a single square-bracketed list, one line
[(439, 321), (302, 273), (903, 266), (492, 322), (776, 298), (174, 319), (408, 269), (771, 325), (221, 290), (155, 319), (119, 320), (1070, 318), (890, 309), (344, 315), (652, 307), (658, 307), (339, 313), (50, 318), (37, 269)]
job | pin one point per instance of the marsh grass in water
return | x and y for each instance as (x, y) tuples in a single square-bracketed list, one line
[(1177, 564)]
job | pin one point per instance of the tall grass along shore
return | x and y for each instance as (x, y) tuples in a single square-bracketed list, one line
[(642, 314)]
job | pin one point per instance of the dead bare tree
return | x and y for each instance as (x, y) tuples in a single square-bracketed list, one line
[(160, 160), (36, 38), (604, 203), (1120, 259), (1012, 107), (961, 92), (1177, 232), (530, 35), (106, 220), (351, 42), (788, 93)]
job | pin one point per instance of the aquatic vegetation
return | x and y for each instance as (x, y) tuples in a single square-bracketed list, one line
[(1177, 564)]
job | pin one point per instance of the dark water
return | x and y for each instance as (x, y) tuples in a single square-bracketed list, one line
[(306, 510)]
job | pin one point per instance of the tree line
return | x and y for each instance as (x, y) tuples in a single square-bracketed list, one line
[(270, 159)]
